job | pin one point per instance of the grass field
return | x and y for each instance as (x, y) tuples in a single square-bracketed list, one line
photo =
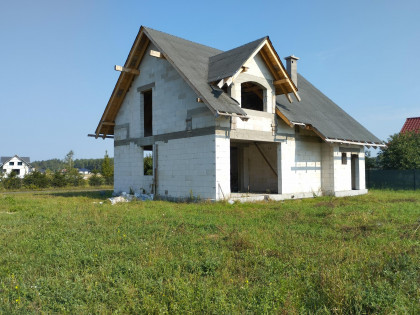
[(68, 253)]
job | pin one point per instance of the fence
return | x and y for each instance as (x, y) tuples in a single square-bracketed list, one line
[(393, 179)]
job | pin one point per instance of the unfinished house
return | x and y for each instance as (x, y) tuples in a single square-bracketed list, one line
[(227, 124)]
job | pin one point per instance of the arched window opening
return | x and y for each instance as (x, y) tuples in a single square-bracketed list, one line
[(252, 96)]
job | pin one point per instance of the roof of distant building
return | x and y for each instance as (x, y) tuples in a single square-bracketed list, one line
[(411, 124)]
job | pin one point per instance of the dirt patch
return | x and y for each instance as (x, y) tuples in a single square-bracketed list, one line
[(328, 204), (410, 230), (360, 229), (238, 242)]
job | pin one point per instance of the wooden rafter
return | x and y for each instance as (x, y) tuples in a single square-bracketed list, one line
[(123, 84), (275, 73)]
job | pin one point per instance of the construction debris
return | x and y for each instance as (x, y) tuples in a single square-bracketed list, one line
[(124, 197)]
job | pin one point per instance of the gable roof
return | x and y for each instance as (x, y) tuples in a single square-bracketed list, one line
[(411, 124), (227, 63), (191, 60), (25, 159), (322, 115)]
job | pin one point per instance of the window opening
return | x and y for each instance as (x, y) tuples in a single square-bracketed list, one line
[(148, 113), (11, 163), (19, 163), (148, 160), (344, 158), (252, 96)]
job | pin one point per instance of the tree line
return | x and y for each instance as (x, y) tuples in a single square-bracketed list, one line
[(58, 165), (62, 173)]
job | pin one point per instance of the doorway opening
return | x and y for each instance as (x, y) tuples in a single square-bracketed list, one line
[(354, 171), (253, 167)]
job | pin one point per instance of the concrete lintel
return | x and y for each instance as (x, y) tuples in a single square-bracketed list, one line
[(257, 113), (349, 149), (144, 141), (146, 87)]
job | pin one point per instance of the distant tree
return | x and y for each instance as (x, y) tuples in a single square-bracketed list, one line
[(370, 162), (148, 165), (107, 170), (69, 159), (402, 152)]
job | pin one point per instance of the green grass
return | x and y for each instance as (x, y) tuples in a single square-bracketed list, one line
[(67, 253)]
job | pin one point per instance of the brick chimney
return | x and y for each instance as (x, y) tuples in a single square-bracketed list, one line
[(291, 66)]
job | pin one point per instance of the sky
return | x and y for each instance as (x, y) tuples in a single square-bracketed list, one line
[(58, 56)]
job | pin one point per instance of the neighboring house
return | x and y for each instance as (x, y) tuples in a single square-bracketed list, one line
[(84, 171), (411, 124), (222, 124), (16, 164)]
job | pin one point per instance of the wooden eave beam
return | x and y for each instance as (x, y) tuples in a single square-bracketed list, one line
[(280, 114), (281, 81), (282, 69), (128, 70), (275, 73), (124, 82)]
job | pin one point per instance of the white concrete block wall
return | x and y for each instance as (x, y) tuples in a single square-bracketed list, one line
[(362, 169), (342, 172), (300, 167), (128, 169), (187, 167), (222, 159), (327, 171), (257, 121), (172, 97)]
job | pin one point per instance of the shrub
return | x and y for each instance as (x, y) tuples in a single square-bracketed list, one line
[(36, 180), (74, 178), (96, 180), (58, 179), (12, 181)]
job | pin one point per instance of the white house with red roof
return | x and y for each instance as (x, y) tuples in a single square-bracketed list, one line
[(411, 124)]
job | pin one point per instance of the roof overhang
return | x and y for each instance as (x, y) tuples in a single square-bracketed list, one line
[(326, 139)]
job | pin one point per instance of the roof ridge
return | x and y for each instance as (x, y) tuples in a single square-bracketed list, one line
[(237, 47), (178, 37)]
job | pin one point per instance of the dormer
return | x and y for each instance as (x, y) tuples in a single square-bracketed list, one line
[(253, 74)]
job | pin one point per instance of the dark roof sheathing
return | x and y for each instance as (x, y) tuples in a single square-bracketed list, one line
[(328, 118), (192, 60), (227, 63), (411, 124), (5, 159)]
